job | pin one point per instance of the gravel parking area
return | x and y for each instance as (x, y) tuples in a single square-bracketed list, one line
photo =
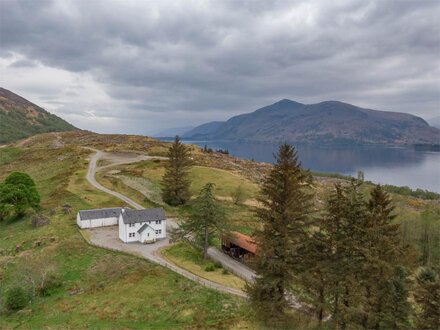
[(107, 237)]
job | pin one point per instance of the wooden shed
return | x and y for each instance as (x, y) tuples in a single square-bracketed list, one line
[(239, 245)]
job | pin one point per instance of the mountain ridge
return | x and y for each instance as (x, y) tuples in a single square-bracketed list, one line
[(203, 129), (327, 122), (20, 118)]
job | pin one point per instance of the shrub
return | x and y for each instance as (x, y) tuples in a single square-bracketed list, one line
[(52, 282), (218, 265), (225, 272), (209, 268), (16, 298), (39, 220), (239, 195)]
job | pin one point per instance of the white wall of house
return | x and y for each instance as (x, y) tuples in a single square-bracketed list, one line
[(122, 230), (129, 232), (78, 221), (148, 235), (96, 222)]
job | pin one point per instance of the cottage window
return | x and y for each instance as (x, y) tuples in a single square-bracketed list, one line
[(159, 231), (131, 225), (131, 234), (158, 222)]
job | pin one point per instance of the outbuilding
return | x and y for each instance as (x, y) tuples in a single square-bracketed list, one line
[(239, 246), (98, 217)]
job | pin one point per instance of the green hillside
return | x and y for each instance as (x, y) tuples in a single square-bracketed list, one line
[(20, 118)]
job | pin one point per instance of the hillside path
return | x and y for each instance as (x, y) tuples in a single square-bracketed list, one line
[(107, 237)]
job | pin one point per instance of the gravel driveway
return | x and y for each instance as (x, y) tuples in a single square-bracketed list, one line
[(107, 237)]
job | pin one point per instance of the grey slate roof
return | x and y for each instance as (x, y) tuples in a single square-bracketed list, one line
[(144, 226), (100, 213), (133, 216)]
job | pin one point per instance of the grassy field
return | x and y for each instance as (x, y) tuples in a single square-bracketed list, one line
[(191, 259), (103, 289), (226, 181), (150, 174), (100, 289)]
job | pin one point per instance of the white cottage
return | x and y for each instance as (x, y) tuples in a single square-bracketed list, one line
[(145, 226)]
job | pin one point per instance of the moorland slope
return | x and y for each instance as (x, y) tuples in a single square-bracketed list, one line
[(20, 118)]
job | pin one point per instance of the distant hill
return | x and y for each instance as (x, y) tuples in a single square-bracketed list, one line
[(434, 122), (20, 118), (171, 132), (204, 129), (329, 122)]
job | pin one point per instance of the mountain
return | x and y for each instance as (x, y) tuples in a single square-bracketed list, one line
[(434, 122), (329, 122), (20, 118), (171, 132), (204, 129)]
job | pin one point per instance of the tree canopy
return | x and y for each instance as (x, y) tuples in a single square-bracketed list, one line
[(207, 218), (17, 194)]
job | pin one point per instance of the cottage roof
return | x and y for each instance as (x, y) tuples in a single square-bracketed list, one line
[(134, 216), (100, 213), (144, 226), (244, 241)]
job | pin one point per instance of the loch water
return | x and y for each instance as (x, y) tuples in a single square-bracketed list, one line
[(400, 166)]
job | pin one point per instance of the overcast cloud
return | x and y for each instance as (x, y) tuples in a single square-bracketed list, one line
[(142, 66)]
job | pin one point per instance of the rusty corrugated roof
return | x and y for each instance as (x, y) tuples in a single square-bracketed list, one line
[(244, 241)]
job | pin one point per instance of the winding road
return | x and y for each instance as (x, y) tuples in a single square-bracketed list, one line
[(107, 237)]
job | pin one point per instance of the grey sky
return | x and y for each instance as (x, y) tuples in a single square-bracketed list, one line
[(142, 66)]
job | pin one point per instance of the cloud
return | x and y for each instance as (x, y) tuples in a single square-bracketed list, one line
[(141, 66)]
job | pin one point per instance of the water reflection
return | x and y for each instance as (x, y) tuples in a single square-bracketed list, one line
[(393, 165)]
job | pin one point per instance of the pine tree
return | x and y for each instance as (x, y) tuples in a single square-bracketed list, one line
[(395, 309), (385, 278), (427, 296), (356, 263), (345, 214), (208, 219), (312, 280), (175, 180), (284, 214)]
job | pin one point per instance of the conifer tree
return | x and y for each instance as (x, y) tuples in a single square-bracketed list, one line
[(356, 264), (346, 212), (385, 281), (207, 218), (427, 296), (284, 214), (312, 280), (175, 180)]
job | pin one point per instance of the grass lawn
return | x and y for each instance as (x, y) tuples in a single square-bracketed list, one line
[(226, 182), (185, 256), (9, 154), (242, 216)]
